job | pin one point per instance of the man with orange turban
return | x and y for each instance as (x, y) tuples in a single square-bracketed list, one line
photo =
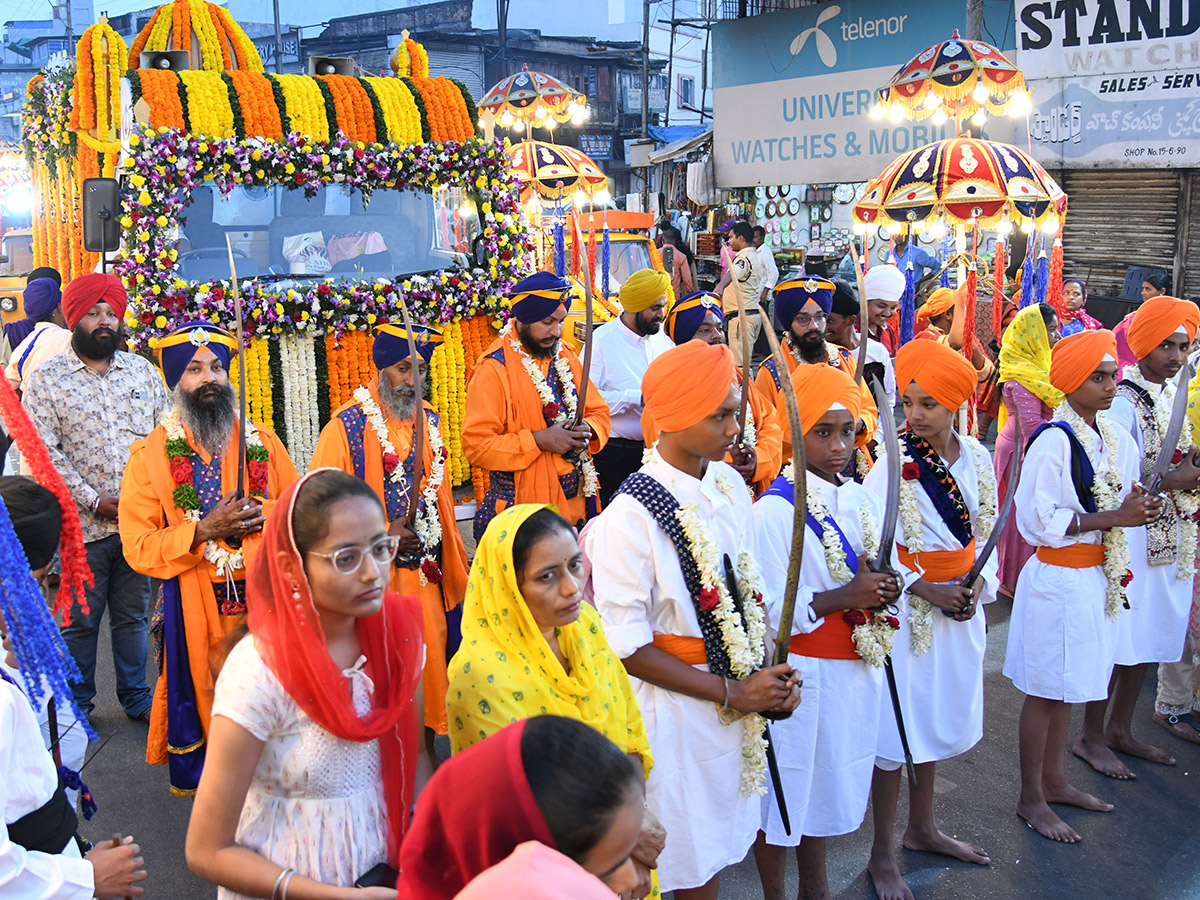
[(827, 748), (658, 557), (1076, 503), (1162, 554), (621, 351), (941, 318), (947, 511), (519, 423), (802, 307)]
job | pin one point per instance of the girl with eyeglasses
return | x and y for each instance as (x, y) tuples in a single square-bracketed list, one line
[(313, 758)]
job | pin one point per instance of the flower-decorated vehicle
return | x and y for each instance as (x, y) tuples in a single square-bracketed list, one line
[(338, 195)]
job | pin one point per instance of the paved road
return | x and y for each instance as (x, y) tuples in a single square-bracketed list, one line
[(1148, 849)]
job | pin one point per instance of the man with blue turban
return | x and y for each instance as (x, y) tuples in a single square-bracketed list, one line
[(371, 437), (182, 520), (802, 308), (522, 397), (48, 335)]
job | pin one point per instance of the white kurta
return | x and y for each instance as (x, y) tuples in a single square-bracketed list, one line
[(639, 589), (1153, 627), (1061, 645), (28, 779), (826, 749), (941, 691)]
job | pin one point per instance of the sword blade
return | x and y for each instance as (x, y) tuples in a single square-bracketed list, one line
[(862, 315), (1162, 465), (418, 415), (1006, 509), (237, 314), (745, 342), (891, 680), (891, 440)]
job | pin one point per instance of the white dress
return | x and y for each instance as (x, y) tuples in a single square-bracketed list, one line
[(316, 803), (639, 589), (1061, 645), (941, 691), (1153, 627), (826, 749)]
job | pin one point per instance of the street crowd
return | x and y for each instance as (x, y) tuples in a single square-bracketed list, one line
[(605, 663)]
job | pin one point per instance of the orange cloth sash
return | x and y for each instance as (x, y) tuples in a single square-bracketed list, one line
[(1076, 556), (686, 649), (939, 566), (833, 640)]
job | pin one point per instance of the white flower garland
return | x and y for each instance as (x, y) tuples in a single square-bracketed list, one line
[(590, 480), (872, 641), (223, 559), (427, 524), (296, 359), (920, 612), (1186, 502), (1107, 492)]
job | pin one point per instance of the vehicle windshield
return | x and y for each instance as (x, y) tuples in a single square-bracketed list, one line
[(17, 251), (278, 231), (627, 257)]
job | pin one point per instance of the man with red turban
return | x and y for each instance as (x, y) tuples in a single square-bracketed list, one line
[(90, 404), (947, 512), (658, 556), (1076, 503), (827, 748), (1162, 555)]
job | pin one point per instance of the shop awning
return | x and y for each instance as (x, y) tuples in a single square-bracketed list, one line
[(681, 147)]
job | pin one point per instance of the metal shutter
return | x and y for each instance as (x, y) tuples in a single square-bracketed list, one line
[(465, 65), (1190, 211), (1118, 218)]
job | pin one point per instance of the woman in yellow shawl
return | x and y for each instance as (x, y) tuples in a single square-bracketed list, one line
[(532, 646), (1027, 395)]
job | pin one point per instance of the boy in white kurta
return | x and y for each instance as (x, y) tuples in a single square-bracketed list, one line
[(1161, 554), (826, 749), (1062, 636), (658, 555), (947, 511)]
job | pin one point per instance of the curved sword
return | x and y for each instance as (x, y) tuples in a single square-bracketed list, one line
[(862, 316), (1171, 439), (418, 416), (237, 313), (745, 341), (1006, 509)]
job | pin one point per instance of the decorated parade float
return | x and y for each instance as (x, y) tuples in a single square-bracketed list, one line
[(337, 194)]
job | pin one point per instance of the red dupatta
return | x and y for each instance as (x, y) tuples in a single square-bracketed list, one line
[(289, 637), (475, 811)]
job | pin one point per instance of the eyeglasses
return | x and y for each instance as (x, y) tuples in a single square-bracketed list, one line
[(349, 560), (804, 319)]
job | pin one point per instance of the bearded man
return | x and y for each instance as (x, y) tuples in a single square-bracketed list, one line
[(183, 520), (89, 404), (371, 437), (521, 405)]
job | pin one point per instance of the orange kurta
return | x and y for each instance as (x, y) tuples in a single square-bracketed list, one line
[(165, 551), (843, 360), (504, 410), (333, 449)]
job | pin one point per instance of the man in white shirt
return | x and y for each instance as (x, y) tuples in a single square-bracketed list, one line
[(621, 351), (50, 336), (770, 276), (746, 275)]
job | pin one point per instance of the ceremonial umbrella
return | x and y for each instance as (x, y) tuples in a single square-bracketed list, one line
[(532, 99), (555, 171), (968, 181), (957, 79)]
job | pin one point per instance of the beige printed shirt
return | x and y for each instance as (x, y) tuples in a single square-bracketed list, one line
[(88, 421)]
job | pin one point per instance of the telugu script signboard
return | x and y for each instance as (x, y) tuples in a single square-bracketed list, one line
[(793, 89), (1113, 82)]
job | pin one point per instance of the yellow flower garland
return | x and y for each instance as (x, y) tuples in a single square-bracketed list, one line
[(400, 112), (208, 104), (206, 36), (305, 106)]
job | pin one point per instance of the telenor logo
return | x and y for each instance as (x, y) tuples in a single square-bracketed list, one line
[(825, 48)]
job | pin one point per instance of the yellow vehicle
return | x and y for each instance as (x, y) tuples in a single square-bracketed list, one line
[(16, 262)]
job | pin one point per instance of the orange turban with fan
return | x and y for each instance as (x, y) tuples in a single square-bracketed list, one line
[(1075, 358), (818, 388), (1159, 318), (686, 384), (942, 373)]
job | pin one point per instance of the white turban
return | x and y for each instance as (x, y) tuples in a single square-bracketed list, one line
[(884, 282)]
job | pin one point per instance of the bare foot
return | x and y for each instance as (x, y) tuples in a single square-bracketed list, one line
[(1101, 758), (937, 842), (1042, 819), (1072, 796), (885, 875), (1127, 743)]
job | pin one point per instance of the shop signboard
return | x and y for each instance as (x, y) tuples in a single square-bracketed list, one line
[(1113, 82), (793, 89), (598, 146)]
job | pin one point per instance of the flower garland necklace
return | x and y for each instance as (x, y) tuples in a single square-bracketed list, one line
[(920, 611), (427, 524), (180, 456), (1187, 503), (551, 408), (874, 631), (1107, 492)]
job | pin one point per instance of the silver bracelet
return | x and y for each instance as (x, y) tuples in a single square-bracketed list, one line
[(283, 892), (725, 679), (283, 873), (1078, 524)]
